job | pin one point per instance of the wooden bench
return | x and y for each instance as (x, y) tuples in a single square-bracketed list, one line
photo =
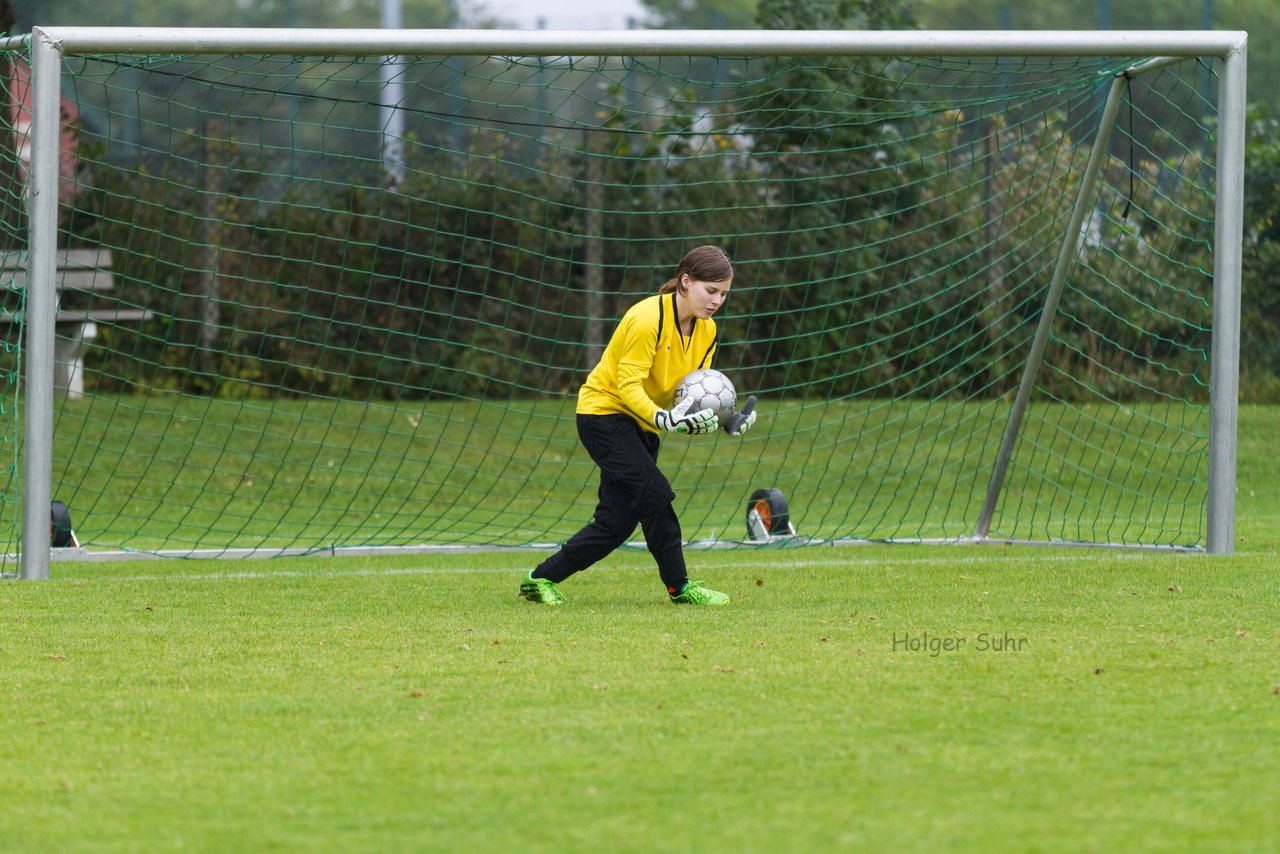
[(78, 271)]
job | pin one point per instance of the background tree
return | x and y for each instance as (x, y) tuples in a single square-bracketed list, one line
[(816, 127), (200, 13), (1260, 18), (1260, 311), (703, 15)]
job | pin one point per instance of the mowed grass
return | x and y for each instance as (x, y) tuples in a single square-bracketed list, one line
[(1056, 700), (870, 698)]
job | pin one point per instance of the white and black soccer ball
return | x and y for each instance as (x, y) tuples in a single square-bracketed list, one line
[(709, 389)]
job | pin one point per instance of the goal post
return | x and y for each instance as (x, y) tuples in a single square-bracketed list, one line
[(1224, 383), (356, 276)]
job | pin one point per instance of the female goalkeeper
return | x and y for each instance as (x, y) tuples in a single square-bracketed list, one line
[(620, 418)]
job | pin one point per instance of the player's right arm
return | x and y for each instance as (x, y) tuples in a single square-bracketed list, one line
[(640, 344)]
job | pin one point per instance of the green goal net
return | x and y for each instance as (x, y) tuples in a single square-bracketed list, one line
[(314, 302)]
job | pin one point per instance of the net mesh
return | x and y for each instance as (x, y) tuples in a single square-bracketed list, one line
[(349, 301)]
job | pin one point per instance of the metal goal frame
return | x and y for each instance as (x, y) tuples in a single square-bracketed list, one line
[(50, 45)]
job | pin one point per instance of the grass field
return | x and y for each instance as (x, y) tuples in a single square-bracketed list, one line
[(869, 698)]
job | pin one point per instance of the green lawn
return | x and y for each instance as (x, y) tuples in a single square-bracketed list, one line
[(1079, 699), (412, 704)]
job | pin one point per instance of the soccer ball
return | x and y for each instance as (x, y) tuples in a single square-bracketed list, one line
[(709, 390)]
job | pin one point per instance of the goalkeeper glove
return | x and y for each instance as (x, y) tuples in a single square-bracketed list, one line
[(741, 422), (677, 420)]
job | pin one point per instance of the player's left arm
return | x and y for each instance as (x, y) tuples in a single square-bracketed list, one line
[(743, 420)]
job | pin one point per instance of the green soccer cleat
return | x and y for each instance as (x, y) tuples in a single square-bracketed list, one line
[(695, 594), (541, 590)]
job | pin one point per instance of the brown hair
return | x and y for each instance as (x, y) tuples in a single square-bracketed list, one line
[(704, 264)]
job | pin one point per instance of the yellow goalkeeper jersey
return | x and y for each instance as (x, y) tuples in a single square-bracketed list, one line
[(646, 358)]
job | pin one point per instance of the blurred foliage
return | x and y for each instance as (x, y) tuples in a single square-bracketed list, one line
[(1260, 18), (438, 285), (704, 15), (200, 13), (1260, 312)]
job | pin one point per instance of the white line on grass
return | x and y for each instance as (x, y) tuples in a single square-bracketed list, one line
[(523, 568)]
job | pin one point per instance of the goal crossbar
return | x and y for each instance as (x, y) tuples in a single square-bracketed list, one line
[(141, 40)]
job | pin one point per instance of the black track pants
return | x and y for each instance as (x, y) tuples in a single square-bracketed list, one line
[(632, 492)]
